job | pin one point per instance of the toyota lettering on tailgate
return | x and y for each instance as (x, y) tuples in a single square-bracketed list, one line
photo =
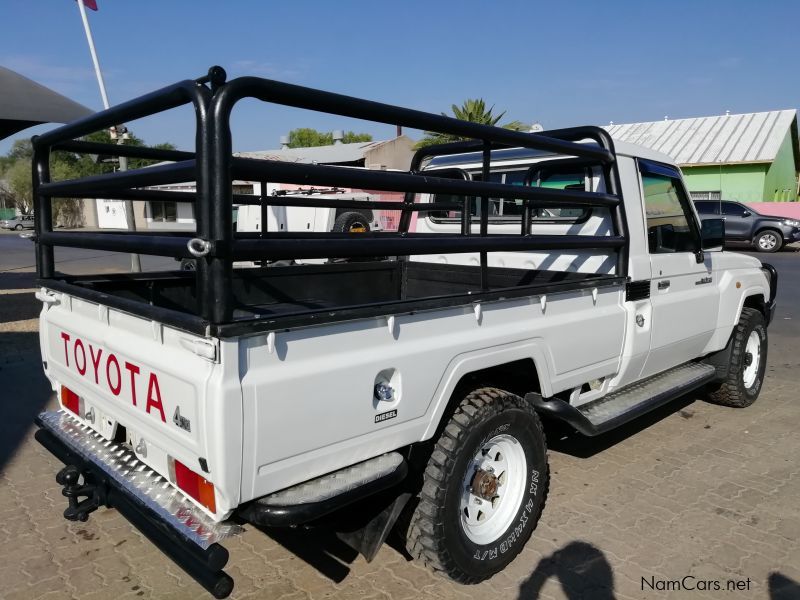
[(109, 373)]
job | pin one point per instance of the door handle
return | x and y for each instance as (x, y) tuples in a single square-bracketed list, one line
[(663, 284)]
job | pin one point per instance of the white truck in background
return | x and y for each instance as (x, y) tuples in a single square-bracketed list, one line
[(403, 394), (346, 219), (349, 218)]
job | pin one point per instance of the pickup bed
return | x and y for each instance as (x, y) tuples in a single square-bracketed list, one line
[(399, 382)]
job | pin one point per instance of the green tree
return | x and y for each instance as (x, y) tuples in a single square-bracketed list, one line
[(474, 111), (15, 167), (18, 176), (20, 149), (305, 137)]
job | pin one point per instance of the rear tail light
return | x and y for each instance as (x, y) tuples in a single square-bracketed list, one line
[(71, 401), (196, 486)]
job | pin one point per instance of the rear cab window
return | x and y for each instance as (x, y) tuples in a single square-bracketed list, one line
[(507, 210), (707, 208)]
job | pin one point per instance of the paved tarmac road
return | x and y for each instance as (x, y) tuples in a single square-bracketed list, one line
[(694, 490)]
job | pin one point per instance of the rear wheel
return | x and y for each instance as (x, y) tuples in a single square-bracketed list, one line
[(351, 222), (748, 362), (483, 490), (768, 241)]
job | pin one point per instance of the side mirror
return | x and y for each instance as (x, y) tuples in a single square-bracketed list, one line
[(712, 234), (746, 213)]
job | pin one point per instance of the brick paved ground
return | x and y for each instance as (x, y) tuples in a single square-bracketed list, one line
[(695, 490)]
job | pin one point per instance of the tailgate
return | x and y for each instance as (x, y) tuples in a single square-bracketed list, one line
[(139, 383)]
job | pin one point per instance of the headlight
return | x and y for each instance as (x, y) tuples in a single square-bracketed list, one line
[(791, 222)]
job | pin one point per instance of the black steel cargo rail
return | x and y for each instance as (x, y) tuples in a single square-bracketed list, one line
[(213, 167)]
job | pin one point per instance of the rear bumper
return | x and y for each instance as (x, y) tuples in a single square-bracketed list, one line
[(113, 476)]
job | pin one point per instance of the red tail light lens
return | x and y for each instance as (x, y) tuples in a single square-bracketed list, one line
[(70, 400), (196, 486)]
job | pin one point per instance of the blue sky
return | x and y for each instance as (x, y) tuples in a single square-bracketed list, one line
[(559, 63)]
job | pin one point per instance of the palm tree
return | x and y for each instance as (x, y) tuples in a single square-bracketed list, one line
[(474, 111)]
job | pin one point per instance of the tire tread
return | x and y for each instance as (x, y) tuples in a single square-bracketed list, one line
[(730, 392), (425, 540)]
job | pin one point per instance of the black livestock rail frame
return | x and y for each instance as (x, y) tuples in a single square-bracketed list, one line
[(216, 246)]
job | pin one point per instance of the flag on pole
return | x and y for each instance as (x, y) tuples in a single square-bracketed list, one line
[(91, 4)]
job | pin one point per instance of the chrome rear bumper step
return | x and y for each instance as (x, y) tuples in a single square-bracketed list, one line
[(629, 402), (114, 477)]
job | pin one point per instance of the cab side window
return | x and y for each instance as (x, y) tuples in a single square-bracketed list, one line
[(670, 227), (733, 210)]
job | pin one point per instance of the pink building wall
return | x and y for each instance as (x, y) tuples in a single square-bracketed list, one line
[(789, 210)]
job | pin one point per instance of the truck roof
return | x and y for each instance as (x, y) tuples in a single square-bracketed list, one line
[(521, 154)]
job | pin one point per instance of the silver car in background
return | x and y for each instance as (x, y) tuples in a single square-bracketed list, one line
[(19, 222)]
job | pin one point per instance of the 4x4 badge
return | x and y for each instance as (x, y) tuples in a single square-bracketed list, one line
[(180, 421)]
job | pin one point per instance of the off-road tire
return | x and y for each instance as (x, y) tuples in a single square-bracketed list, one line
[(768, 234), (351, 222), (435, 533), (732, 391)]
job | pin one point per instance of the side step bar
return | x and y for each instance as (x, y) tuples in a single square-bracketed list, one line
[(628, 403), (318, 497)]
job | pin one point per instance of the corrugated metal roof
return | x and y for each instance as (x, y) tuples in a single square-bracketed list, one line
[(749, 137)]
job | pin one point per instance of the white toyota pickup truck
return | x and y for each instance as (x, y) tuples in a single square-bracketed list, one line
[(399, 385)]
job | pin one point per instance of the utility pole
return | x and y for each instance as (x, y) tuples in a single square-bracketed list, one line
[(119, 133)]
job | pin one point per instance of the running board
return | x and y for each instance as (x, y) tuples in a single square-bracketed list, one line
[(318, 497), (628, 403)]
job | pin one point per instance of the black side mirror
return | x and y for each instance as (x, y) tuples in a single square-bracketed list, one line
[(746, 213), (712, 234)]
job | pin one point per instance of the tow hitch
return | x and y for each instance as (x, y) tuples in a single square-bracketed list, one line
[(95, 493)]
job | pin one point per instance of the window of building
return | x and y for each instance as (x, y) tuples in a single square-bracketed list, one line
[(716, 195), (164, 212), (670, 227)]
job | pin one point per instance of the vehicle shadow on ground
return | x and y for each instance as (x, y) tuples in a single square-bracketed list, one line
[(25, 390), (581, 568), (319, 547), (562, 438), (782, 587)]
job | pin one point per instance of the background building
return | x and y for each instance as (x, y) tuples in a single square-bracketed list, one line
[(390, 154), (752, 157)]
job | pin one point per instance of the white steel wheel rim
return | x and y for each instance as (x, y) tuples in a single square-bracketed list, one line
[(753, 348), (768, 241), (484, 521)]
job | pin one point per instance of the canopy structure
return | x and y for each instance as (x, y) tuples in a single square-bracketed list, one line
[(25, 103)]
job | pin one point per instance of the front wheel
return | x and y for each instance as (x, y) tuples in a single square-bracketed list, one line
[(483, 490), (748, 362), (768, 241), (18, 227)]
